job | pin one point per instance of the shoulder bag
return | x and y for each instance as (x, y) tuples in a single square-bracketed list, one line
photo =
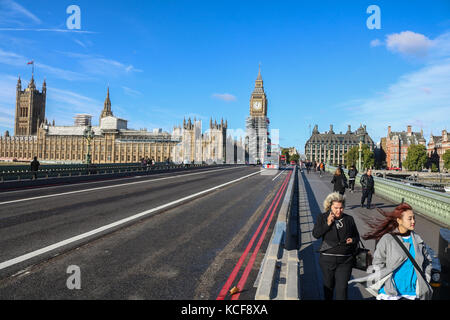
[(363, 257)]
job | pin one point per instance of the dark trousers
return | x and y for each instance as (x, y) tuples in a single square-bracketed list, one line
[(336, 273), (351, 184), (366, 193)]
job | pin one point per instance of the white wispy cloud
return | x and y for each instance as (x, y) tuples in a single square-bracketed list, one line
[(131, 92), (224, 96), (48, 30), (14, 59), (13, 13), (376, 43), (99, 65), (420, 98), (62, 105), (7, 100)]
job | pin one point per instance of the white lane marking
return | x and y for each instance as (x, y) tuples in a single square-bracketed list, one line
[(279, 174), (57, 245), (107, 187), (103, 181)]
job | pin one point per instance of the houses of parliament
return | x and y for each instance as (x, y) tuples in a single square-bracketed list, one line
[(113, 141)]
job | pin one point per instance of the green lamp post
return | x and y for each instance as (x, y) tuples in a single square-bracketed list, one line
[(88, 134)]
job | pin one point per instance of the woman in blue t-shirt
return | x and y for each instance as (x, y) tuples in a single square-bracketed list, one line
[(393, 274)]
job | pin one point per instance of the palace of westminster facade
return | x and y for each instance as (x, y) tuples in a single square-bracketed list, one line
[(113, 142)]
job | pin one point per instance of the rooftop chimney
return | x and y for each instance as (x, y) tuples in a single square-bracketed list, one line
[(409, 130)]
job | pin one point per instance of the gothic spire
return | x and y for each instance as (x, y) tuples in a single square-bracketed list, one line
[(259, 73), (106, 107)]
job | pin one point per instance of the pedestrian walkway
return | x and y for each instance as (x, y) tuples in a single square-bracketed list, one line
[(313, 189)]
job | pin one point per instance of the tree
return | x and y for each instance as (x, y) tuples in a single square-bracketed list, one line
[(416, 158), (285, 152), (295, 157), (446, 158), (352, 156), (367, 157)]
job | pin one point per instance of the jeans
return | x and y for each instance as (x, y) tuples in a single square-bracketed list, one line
[(366, 193), (336, 273)]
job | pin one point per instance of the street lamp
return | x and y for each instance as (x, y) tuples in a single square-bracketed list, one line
[(88, 134), (360, 151), (329, 154)]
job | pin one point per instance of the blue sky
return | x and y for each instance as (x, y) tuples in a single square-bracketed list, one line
[(166, 60)]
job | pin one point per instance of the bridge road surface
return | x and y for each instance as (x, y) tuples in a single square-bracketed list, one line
[(317, 188), (183, 252)]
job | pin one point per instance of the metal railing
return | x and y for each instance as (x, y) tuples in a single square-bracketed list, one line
[(21, 173), (431, 204)]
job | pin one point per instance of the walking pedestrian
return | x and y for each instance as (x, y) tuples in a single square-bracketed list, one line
[(395, 275), (339, 181), (34, 166), (321, 168), (339, 239), (352, 173), (368, 188)]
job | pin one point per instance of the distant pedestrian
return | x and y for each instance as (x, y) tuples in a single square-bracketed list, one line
[(34, 166), (395, 276), (352, 173), (339, 239), (321, 168), (339, 181), (368, 188)]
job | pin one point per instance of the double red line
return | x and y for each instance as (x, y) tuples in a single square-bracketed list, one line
[(273, 207)]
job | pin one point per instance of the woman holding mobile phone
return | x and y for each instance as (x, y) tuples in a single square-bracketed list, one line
[(339, 240)]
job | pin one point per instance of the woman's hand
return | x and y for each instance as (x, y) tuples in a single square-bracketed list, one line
[(330, 218), (349, 241)]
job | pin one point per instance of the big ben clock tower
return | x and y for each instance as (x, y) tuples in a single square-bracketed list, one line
[(257, 123)]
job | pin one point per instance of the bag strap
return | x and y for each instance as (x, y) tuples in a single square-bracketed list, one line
[(410, 257)]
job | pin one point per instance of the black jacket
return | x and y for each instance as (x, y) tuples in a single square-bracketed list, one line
[(352, 173), (334, 239), (340, 183), (34, 165), (367, 182)]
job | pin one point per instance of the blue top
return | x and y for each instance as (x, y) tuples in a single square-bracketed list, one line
[(405, 277)]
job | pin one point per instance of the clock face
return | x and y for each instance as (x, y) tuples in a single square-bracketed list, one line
[(257, 105)]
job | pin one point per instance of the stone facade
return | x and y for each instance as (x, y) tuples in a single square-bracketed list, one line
[(436, 148), (257, 124), (397, 144), (329, 147), (113, 142), (30, 108)]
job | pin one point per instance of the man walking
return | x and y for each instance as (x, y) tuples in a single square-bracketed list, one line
[(34, 166), (352, 173), (368, 188)]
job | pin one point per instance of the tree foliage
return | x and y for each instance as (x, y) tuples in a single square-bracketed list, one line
[(367, 157), (416, 158), (446, 158)]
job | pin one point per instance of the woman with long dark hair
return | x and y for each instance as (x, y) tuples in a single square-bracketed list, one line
[(393, 275)]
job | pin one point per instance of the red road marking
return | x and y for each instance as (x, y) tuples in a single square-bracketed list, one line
[(249, 266), (241, 260)]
